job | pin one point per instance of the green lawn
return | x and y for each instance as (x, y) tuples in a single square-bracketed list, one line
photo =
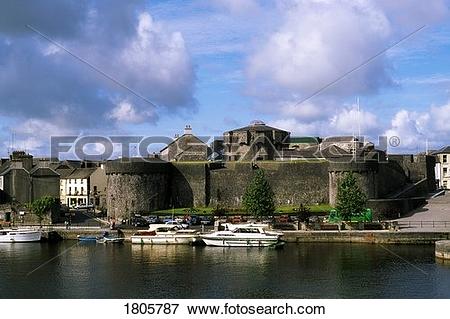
[(320, 209)]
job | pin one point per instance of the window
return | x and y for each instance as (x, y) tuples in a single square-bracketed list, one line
[(444, 158), (445, 171), (445, 184), (70, 190), (82, 190)]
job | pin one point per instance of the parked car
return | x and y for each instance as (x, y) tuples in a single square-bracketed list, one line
[(152, 219), (139, 221), (207, 221)]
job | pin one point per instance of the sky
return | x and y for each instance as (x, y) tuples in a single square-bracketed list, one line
[(148, 68)]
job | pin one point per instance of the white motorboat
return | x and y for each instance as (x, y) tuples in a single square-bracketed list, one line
[(166, 235), (111, 240), (19, 235), (246, 235)]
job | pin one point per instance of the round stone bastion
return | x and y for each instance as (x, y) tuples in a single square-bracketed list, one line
[(442, 249)]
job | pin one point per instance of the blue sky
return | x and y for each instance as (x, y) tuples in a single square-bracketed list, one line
[(219, 64)]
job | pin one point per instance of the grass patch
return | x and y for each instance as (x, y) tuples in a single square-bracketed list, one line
[(315, 209), (321, 209)]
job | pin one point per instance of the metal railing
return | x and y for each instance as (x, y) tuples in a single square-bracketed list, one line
[(424, 224)]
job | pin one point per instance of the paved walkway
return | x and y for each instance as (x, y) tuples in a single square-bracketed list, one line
[(430, 217)]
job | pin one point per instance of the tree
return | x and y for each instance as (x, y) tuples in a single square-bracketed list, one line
[(350, 200), (303, 213), (42, 206), (258, 198)]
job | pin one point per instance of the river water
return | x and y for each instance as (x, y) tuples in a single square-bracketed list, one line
[(74, 270)]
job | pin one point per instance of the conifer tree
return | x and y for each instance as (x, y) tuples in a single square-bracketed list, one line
[(258, 199), (350, 200)]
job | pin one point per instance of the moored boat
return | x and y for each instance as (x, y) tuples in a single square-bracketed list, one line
[(166, 235), (244, 236), (111, 240), (85, 238), (19, 235)]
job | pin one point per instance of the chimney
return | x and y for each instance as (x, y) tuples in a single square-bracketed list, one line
[(188, 129)]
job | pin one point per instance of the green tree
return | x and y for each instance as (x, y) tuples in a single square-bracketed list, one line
[(350, 200), (303, 213), (42, 206), (258, 199)]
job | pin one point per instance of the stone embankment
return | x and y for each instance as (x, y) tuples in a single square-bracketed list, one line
[(347, 236), (373, 237)]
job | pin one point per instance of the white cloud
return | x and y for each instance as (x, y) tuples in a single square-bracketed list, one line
[(157, 58), (318, 42), (350, 121), (121, 39), (126, 112), (237, 6), (306, 111), (416, 128)]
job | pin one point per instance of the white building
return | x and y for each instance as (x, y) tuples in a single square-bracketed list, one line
[(75, 186), (443, 167)]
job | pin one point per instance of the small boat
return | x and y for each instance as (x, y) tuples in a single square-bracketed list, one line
[(19, 235), (246, 235), (111, 240), (166, 235), (85, 238)]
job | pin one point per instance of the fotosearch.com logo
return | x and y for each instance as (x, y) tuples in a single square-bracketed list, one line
[(104, 147), (101, 148)]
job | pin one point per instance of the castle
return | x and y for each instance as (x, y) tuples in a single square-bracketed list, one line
[(300, 171)]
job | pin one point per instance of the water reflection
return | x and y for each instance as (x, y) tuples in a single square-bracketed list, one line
[(73, 270)]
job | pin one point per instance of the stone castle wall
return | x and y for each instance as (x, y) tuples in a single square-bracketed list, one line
[(294, 183), (145, 187)]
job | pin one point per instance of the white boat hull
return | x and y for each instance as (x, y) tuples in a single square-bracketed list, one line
[(239, 242), (165, 240), (19, 236)]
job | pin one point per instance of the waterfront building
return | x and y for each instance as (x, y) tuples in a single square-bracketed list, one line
[(443, 167), (23, 180), (75, 186)]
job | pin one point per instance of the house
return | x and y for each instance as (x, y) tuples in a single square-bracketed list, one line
[(23, 180), (256, 141), (186, 148), (75, 186), (443, 167)]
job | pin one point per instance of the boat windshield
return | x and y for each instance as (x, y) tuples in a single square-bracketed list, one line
[(247, 230)]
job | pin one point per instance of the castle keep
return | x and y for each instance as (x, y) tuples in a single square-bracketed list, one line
[(311, 177)]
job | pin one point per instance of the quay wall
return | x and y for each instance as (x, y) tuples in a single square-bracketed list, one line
[(373, 237)]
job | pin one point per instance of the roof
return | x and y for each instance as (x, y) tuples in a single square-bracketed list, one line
[(64, 172), (4, 167), (43, 171), (257, 126), (304, 140), (444, 150), (336, 139), (184, 136), (81, 173)]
